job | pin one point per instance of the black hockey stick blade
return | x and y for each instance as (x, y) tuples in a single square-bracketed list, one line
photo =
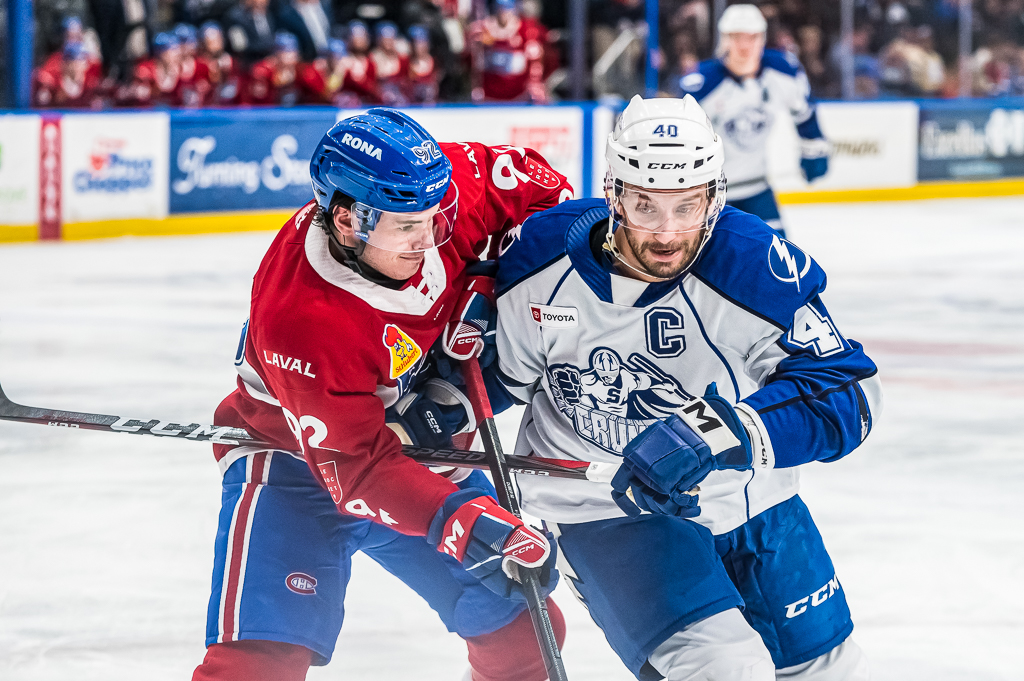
[(501, 473), (226, 435)]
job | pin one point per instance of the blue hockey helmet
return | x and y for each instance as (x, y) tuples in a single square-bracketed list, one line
[(164, 41), (186, 34), (419, 34), (389, 164)]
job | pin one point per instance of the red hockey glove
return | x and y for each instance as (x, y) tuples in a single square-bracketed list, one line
[(471, 330), (470, 527)]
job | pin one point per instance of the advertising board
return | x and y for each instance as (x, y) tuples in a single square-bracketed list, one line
[(243, 160), (114, 166), (874, 145), (971, 140), (19, 169)]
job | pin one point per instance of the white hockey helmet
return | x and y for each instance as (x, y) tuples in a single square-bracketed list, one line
[(665, 145), (742, 19)]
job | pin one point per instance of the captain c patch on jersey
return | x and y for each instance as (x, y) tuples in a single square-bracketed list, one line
[(610, 401)]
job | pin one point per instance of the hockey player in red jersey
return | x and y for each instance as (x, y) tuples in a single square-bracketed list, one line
[(355, 289), (68, 82), (155, 81), (361, 75), (513, 52), (281, 79), (423, 77), (389, 64), (221, 70), (194, 80)]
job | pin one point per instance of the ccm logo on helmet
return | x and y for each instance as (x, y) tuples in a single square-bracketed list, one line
[(361, 145), (301, 583), (666, 166), (436, 185)]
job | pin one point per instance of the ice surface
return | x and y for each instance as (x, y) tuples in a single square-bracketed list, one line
[(106, 541)]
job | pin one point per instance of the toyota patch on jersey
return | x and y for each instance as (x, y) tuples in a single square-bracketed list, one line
[(403, 349)]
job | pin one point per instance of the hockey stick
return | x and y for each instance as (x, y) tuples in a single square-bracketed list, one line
[(501, 473), (226, 435)]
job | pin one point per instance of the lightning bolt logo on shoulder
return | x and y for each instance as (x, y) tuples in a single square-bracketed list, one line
[(787, 262)]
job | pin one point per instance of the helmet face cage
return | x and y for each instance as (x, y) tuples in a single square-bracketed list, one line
[(615, 190)]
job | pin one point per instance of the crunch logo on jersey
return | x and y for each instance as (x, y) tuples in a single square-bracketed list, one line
[(403, 349), (611, 401)]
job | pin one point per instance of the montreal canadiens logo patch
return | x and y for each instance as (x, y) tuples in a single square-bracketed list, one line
[(555, 317), (787, 262), (403, 349), (301, 583)]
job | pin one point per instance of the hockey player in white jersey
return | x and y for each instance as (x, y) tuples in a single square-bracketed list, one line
[(742, 91), (694, 294)]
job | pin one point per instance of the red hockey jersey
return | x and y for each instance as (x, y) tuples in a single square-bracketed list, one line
[(326, 351)]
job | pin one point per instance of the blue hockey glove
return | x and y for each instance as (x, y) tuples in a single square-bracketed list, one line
[(814, 167), (429, 416), (663, 464), (489, 541), (471, 331)]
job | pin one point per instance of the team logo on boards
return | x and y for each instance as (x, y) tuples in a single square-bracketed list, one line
[(403, 349), (555, 317), (787, 262), (610, 402), (301, 583)]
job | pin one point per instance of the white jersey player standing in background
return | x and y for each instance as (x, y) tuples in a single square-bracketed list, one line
[(741, 91), (663, 279)]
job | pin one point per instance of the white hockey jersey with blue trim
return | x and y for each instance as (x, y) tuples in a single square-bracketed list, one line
[(598, 356), (743, 110)]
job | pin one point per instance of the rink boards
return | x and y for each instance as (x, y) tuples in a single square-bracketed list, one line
[(86, 175)]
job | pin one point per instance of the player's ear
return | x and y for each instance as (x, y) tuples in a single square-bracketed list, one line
[(342, 219)]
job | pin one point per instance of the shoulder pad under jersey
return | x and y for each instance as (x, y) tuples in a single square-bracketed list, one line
[(780, 61), (540, 241), (748, 263), (709, 74)]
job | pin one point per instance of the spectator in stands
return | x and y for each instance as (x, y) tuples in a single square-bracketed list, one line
[(122, 27), (223, 75), (389, 64), (155, 81), (251, 29), (281, 79), (310, 21), (194, 77), (361, 76), (992, 67), (199, 12), (423, 76), (809, 42), (70, 82), (513, 55)]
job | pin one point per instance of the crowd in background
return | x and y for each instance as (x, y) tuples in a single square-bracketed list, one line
[(189, 53)]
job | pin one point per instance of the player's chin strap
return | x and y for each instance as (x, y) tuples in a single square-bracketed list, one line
[(711, 213)]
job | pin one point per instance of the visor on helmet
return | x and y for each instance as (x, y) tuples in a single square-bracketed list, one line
[(677, 211), (405, 232)]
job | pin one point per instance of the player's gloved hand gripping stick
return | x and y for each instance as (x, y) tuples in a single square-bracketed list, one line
[(662, 466), (529, 578)]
